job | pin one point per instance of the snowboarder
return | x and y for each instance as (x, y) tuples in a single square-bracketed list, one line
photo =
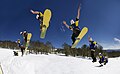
[(21, 46), (74, 27), (103, 59), (92, 48), (39, 16), (44, 19), (24, 34)]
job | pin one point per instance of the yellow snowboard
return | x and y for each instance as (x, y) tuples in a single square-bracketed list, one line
[(28, 41), (29, 37), (80, 36), (46, 20)]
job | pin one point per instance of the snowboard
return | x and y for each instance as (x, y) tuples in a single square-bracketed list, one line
[(100, 65), (80, 36), (28, 41), (46, 19)]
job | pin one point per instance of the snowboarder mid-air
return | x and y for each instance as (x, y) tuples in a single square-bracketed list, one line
[(74, 27), (39, 16), (92, 48), (44, 19), (24, 34)]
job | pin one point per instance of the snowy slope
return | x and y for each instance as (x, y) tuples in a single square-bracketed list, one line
[(53, 64)]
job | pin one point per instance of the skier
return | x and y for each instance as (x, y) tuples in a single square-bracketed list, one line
[(74, 27), (92, 48), (39, 16), (21, 46), (24, 34), (103, 59)]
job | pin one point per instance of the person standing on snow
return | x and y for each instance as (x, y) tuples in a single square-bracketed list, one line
[(92, 48), (74, 27), (24, 34), (39, 16), (21, 46)]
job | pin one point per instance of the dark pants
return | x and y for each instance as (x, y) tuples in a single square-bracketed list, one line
[(93, 56), (22, 50), (103, 60), (106, 61), (74, 35), (25, 39)]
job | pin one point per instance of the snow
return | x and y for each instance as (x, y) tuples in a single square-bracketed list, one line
[(53, 64)]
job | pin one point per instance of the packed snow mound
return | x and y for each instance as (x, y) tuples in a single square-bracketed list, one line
[(54, 64), (16, 65), (5, 53)]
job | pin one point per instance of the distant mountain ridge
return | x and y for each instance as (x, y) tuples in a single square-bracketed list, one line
[(111, 50)]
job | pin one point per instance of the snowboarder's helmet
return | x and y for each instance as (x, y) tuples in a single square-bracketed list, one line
[(21, 32), (99, 53), (90, 39), (37, 16), (72, 21), (25, 31)]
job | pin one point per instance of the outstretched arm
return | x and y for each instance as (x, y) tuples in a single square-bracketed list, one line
[(89, 38), (64, 22), (78, 12), (34, 12)]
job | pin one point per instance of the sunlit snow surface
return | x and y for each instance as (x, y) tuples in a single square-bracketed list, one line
[(54, 64)]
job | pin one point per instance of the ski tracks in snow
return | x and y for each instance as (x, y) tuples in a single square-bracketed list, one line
[(16, 65)]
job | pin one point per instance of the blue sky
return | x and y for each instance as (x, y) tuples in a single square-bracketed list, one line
[(102, 17)]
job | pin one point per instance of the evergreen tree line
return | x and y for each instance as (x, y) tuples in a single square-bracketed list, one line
[(8, 44), (37, 47), (34, 47), (85, 51)]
